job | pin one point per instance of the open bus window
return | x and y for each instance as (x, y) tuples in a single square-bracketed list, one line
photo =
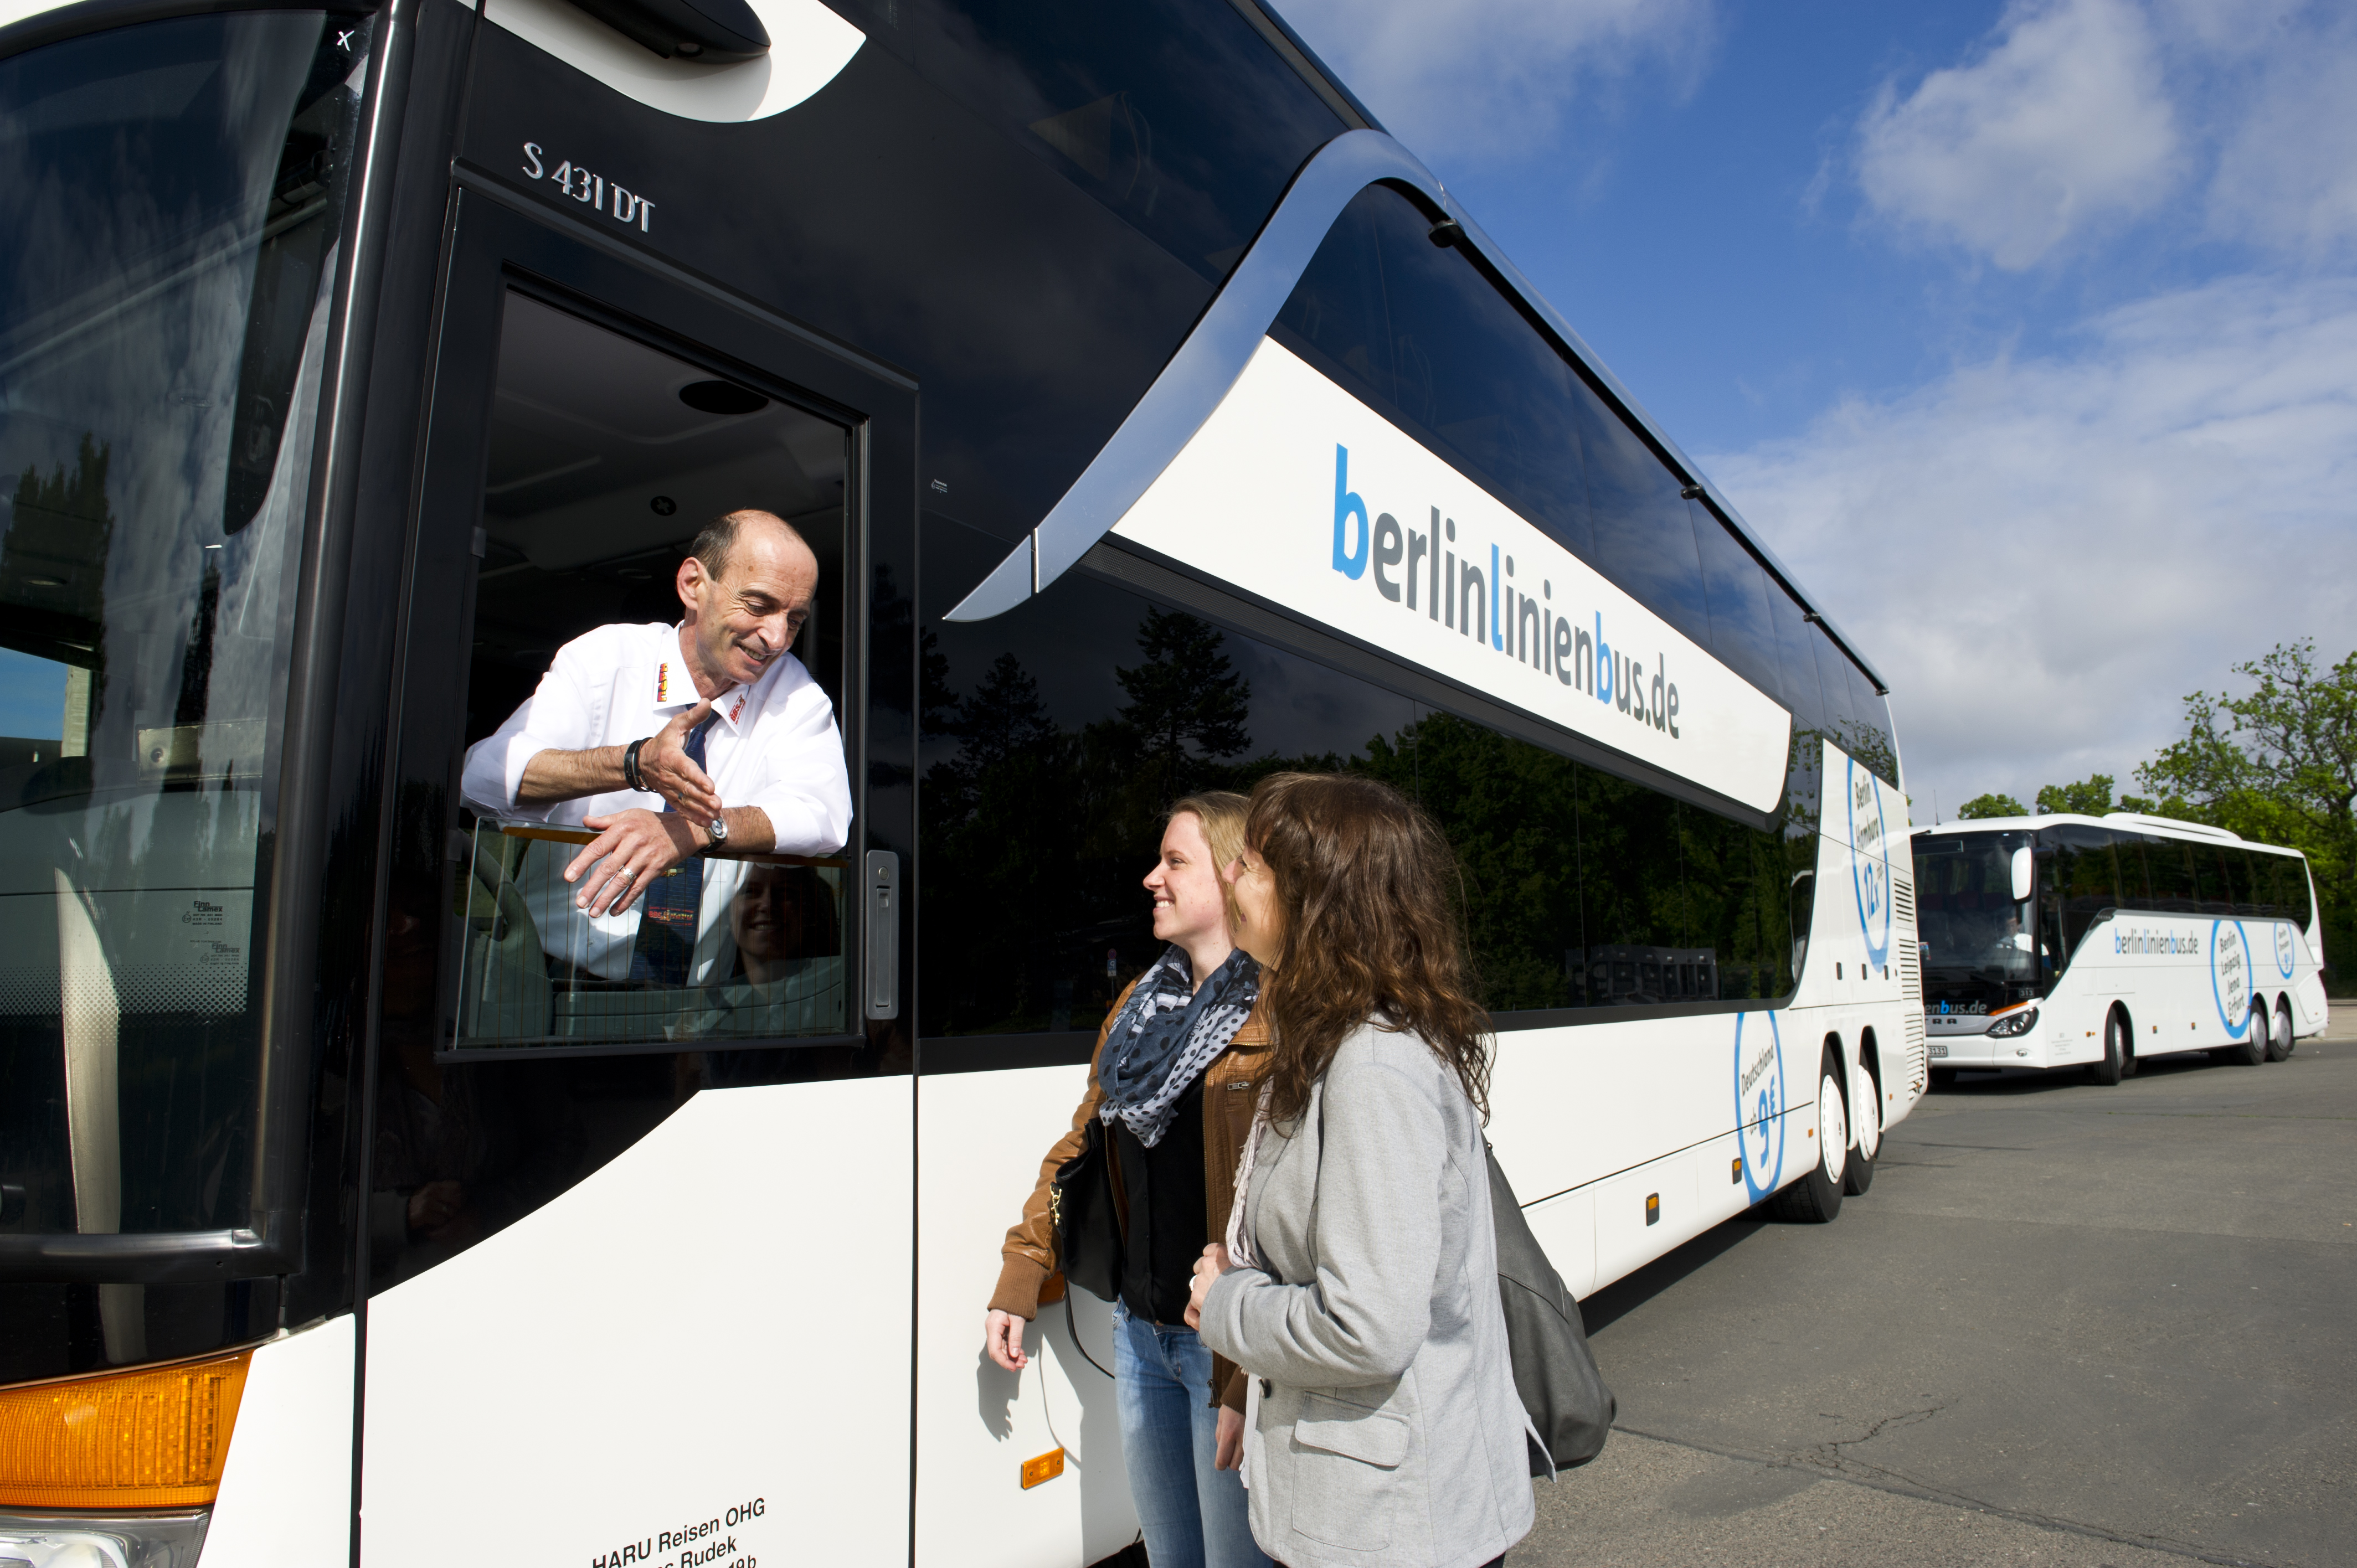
[(605, 457)]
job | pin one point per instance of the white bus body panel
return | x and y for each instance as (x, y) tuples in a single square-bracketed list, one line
[(286, 1488), (2186, 981), (713, 1329), (983, 1134)]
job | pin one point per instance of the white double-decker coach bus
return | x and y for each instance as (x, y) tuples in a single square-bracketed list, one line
[(2095, 943), (1156, 420)]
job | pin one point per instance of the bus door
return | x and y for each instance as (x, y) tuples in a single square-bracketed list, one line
[(639, 1237)]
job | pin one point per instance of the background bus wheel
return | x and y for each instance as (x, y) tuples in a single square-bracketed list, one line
[(2252, 1049), (2280, 1043), (1866, 1140), (1817, 1197), (1943, 1077), (2114, 1067)]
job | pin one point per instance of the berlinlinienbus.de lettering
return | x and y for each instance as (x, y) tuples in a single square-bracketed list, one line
[(1486, 606)]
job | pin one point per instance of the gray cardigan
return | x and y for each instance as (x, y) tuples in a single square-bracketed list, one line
[(1388, 1432)]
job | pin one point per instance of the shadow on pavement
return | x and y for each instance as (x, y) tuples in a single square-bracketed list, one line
[(1632, 1291), (1998, 1081)]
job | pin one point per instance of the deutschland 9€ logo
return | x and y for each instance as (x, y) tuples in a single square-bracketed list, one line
[(1759, 1102)]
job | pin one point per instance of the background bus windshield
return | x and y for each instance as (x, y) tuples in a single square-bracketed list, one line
[(1979, 947)]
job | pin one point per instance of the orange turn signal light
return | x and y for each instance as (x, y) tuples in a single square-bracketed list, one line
[(157, 1437), (1046, 1467)]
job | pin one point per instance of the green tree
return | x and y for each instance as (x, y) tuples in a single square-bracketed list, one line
[(1981, 806), (1187, 704), (2091, 797), (2279, 765)]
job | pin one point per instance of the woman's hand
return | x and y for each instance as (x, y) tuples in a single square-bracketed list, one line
[(1002, 1336), (1229, 1452), (1208, 1267)]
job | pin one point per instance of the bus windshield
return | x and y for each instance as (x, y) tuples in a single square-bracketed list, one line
[(171, 195), (1979, 946)]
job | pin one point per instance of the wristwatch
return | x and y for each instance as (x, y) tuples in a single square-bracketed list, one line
[(718, 829), (630, 775)]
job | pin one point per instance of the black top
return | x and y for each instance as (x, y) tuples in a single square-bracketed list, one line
[(1168, 1212)]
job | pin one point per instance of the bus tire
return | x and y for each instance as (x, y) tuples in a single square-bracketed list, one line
[(1817, 1198), (2252, 1049), (1866, 1134), (2114, 1067), (2281, 1044)]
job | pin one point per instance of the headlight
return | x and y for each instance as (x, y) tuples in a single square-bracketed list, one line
[(87, 1541), (2014, 1024)]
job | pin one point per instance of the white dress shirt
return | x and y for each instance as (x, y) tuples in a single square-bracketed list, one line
[(775, 746)]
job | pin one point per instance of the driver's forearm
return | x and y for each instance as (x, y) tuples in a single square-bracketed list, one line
[(750, 831), (552, 776)]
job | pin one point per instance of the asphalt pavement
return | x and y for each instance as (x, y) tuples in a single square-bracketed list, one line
[(2067, 1326)]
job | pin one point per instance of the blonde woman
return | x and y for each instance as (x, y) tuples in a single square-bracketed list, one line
[(1174, 1080)]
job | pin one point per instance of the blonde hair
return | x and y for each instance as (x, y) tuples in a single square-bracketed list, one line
[(1222, 814)]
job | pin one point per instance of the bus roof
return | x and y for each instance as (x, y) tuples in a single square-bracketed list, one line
[(2133, 821)]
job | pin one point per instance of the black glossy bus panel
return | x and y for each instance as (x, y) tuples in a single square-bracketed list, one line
[(888, 218), (536, 1122), (1056, 734), (1176, 114)]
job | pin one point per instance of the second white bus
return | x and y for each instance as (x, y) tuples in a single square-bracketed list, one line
[(2057, 941)]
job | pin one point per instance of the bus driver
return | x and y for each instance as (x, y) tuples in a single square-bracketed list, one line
[(710, 712)]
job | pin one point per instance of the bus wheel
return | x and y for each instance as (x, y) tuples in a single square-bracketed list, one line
[(2114, 1067), (1866, 1140), (2252, 1049), (2280, 1043), (1817, 1197)]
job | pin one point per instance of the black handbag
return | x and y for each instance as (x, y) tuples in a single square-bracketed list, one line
[(1554, 1371), (1082, 1207)]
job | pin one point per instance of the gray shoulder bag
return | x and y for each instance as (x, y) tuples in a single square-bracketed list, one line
[(1554, 1370)]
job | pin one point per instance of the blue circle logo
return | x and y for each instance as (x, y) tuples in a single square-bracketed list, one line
[(2230, 976), (2286, 950), (1760, 1106), (1870, 868)]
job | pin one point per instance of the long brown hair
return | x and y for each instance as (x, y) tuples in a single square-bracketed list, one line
[(1366, 883)]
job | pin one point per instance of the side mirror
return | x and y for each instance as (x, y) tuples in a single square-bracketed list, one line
[(2024, 881)]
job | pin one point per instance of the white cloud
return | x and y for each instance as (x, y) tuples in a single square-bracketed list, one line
[(2044, 555), (1491, 78), (2287, 173), (2059, 126)]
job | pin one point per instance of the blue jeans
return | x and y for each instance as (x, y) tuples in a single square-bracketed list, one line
[(1194, 1516)]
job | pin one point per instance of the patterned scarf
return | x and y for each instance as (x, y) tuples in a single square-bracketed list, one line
[(1167, 1033)]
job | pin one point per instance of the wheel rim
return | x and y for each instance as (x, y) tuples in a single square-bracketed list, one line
[(1869, 1126), (1833, 1127)]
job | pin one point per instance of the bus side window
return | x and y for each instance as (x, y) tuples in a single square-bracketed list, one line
[(2213, 893), (2171, 870)]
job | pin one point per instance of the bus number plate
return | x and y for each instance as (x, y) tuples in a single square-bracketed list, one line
[(1938, 1050), (591, 191)]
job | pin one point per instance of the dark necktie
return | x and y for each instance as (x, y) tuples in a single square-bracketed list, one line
[(667, 922)]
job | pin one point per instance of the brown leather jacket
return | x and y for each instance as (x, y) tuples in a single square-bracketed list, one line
[(1027, 1274)]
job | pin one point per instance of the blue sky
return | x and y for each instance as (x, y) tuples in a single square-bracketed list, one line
[(32, 696), (2026, 333)]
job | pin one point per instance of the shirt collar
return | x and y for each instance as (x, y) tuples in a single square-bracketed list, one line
[(670, 687)]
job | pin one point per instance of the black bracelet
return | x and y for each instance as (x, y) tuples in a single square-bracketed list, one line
[(630, 775)]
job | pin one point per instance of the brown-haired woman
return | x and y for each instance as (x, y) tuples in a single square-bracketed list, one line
[(1172, 1079), (1359, 1282)]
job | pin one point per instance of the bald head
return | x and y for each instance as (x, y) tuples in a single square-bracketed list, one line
[(747, 588), (719, 536)]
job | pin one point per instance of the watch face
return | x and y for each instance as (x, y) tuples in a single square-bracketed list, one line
[(719, 830)]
